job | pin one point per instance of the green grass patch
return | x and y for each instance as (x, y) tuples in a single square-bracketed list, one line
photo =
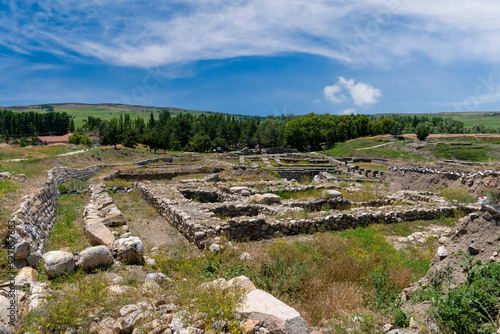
[(458, 195), (396, 150), (68, 230), (7, 186), (460, 153), (301, 195)]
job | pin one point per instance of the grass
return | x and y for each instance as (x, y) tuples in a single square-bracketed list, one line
[(7, 186), (462, 153), (326, 276), (458, 195), (76, 298), (68, 230), (301, 195), (368, 192), (396, 151)]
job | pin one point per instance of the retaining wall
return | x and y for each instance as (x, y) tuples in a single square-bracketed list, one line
[(203, 227), (37, 213)]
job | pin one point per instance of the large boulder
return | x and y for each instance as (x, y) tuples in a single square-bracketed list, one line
[(266, 199), (237, 190), (279, 317), (129, 250), (98, 233), (57, 263), (333, 193), (114, 217), (22, 250), (92, 257)]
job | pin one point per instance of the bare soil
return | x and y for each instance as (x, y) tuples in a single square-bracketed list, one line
[(146, 223)]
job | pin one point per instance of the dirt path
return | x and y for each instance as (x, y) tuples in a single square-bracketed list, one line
[(146, 223), (59, 155), (367, 148)]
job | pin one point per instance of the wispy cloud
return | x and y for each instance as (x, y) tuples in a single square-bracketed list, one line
[(146, 34)]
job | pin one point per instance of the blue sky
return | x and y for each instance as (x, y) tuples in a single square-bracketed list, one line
[(254, 57)]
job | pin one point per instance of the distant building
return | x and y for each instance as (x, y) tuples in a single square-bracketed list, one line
[(54, 139)]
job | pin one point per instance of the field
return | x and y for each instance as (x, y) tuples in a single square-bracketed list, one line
[(80, 112), (470, 119), (345, 278)]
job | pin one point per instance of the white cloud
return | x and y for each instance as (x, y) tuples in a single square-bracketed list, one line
[(332, 93), (145, 34), (361, 93), (350, 111)]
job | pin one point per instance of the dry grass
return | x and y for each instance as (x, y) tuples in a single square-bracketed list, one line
[(323, 301)]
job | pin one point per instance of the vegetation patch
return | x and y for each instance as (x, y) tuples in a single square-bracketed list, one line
[(460, 153), (68, 229)]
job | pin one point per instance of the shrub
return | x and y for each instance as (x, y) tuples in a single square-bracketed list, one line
[(422, 131), (472, 307)]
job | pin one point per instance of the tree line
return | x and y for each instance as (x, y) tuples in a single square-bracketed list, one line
[(18, 125), (207, 132)]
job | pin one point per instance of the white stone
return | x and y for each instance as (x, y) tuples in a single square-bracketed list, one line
[(442, 251), (266, 198), (57, 263), (214, 248), (93, 257), (260, 305), (98, 233), (245, 256), (333, 193), (130, 250)]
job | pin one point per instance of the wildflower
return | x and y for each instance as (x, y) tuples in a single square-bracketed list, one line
[(489, 186), (490, 181)]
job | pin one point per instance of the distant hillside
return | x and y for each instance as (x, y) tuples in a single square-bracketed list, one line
[(470, 119), (106, 111)]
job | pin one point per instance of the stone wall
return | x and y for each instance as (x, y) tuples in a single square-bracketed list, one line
[(160, 175), (177, 217), (37, 213), (199, 222)]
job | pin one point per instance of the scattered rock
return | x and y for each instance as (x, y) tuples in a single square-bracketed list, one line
[(266, 198), (245, 256), (57, 263), (26, 276), (442, 252), (98, 233), (92, 257), (129, 250), (333, 193), (22, 250), (279, 317)]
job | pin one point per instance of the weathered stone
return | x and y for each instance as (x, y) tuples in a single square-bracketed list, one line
[(26, 276), (260, 305), (93, 257), (98, 234), (266, 198), (442, 252), (333, 193), (159, 278), (33, 260), (236, 190), (107, 325), (129, 250), (241, 282), (7, 310), (22, 250), (57, 263)]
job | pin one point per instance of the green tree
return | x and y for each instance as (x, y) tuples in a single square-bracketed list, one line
[(131, 138), (423, 130)]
